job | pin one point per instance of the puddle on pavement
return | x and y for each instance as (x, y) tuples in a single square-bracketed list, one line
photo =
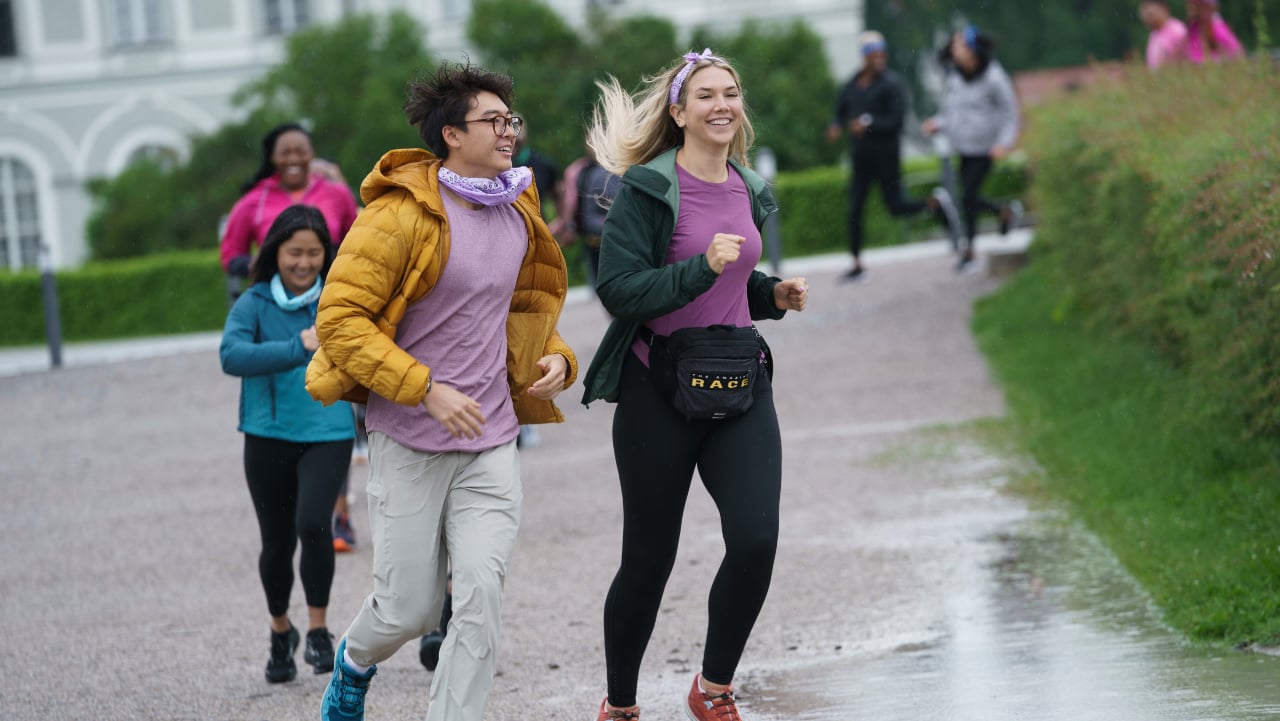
[(1048, 628)]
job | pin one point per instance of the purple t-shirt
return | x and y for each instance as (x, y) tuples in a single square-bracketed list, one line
[(706, 209), (459, 330)]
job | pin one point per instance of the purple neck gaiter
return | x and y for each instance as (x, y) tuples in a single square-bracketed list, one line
[(488, 191)]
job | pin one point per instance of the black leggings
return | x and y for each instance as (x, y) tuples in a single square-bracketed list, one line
[(883, 164), (740, 462), (974, 169), (294, 487)]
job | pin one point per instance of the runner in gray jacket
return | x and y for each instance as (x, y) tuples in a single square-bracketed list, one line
[(980, 117)]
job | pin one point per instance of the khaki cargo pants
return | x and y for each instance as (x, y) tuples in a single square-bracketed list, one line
[(428, 511)]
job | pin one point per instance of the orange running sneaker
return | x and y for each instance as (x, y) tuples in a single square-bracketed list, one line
[(703, 706), (344, 538), (607, 715)]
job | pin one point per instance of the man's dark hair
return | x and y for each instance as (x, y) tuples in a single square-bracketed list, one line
[(446, 96)]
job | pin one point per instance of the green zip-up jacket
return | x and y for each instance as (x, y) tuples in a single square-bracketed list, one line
[(634, 282)]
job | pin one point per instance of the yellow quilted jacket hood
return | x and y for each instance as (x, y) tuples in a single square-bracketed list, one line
[(392, 257)]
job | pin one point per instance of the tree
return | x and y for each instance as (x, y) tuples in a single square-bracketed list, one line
[(555, 71), (630, 49), (544, 56), (786, 84), (346, 80), (147, 209)]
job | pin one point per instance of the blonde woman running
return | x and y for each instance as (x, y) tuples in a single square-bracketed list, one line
[(678, 252)]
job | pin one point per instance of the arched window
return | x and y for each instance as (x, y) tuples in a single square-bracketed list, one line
[(19, 215)]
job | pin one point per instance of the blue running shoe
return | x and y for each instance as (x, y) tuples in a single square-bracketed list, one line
[(344, 698)]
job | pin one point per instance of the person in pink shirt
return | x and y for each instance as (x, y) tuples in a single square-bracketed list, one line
[(1208, 36), (1168, 40), (285, 178)]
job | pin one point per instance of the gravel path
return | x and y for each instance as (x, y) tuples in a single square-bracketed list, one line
[(130, 588)]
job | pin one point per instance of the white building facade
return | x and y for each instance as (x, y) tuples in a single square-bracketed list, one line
[(87, 86)]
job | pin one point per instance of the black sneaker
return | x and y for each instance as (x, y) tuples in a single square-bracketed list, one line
[(429, 650), (856, 275), (280, 666), (319, 651), (1010, 216)]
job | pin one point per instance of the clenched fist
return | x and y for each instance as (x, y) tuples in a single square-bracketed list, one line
[(309, 340), (791, 294), (724, 249)]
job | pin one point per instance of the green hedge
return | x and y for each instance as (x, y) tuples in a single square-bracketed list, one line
[(815, 206), (158, 295), (180, 292), (1185, 503), (1141, 350), (1159, 207)]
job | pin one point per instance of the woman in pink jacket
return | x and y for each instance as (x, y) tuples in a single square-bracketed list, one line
[(1208, 36), (286, 178)]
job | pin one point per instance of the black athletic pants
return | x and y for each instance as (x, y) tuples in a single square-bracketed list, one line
[(294, 487), (974, 169), (880, 163), (740, 462)]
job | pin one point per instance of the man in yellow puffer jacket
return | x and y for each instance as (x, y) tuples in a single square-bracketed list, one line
[(441, 310)]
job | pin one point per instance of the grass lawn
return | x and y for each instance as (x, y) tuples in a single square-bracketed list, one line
[(1189, 504)]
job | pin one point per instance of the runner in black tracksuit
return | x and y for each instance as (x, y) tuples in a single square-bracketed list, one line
[(871, 108)]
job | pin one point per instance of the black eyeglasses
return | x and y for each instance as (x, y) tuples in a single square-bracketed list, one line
[(501, 123)]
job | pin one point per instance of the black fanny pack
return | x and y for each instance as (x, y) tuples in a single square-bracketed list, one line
[(709, 373)]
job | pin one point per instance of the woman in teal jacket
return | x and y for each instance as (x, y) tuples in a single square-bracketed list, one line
[(296, 450)]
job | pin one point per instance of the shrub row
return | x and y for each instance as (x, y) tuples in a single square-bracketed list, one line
[(1159, 206), (1182, 500), (1140, 352), (178, 292), (815, 206), (185, 291)]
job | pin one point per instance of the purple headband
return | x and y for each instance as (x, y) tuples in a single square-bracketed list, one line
[(690, 59)]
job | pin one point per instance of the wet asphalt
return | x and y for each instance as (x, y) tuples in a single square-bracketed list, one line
[(909, 584)]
